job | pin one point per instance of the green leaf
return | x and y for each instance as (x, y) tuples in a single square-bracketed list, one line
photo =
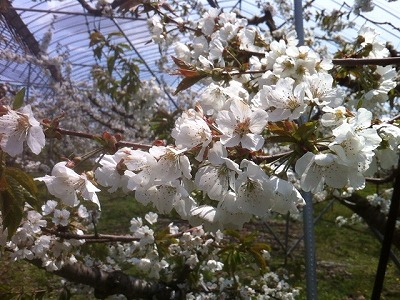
[(28, 184), (259, 259), (115, 33), (95, 38), (281, 139), (110, 64), (97, 52), (233, 233), (12, 209), (360, 103), (306, 130), (187, 82), (19, 98), (17, 188)]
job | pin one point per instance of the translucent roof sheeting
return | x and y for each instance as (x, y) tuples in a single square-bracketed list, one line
[(70, 25)]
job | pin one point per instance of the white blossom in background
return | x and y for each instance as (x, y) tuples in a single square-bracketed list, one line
[(363, 6), (247, 37), (157, 29), (216, 98), (151, 218), (305, 61), (35, 221), (207, 22), (371, 37), (61, 217), (19, 126), (387, 154), (65, 183), (49, 207)]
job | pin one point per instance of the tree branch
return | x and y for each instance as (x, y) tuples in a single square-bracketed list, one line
[(103, 238), (91, 237), (91, 10), (372, 215), (383, 180), (366, 61), (112, 283)]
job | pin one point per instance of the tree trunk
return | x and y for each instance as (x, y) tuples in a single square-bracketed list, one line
[(113, 283), (371, 215)]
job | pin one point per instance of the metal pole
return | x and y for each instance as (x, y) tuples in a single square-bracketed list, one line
[(298, 20), (387, 239), (309, 241), (309, 247)]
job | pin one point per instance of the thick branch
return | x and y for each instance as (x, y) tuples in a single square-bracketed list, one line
[(112, 283), (267, 18), (371, 215), (386, 179), (91, 10), (91, 237), (366, 61), (99, 238)]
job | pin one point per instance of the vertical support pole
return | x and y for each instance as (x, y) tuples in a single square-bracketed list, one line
[(298, 20), (287, 237), (309, 245), (309, 241), (387, 239)]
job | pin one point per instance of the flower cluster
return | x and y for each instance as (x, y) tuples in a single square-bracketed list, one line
[(209, 177), (31, 242)]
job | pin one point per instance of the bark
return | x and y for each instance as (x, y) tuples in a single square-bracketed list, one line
[(112, 283)]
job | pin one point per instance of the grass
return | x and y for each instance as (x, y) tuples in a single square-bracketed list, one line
[(347, 258)]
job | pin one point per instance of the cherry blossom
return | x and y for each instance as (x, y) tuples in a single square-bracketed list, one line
[(284, 100), (61, 217), (111, 173), (241, 125), (355, 140), (18, 126), (317, 169), (319, 90), (64, 183), (218, 173), (191, 130), (253, 193), (333, 116)]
